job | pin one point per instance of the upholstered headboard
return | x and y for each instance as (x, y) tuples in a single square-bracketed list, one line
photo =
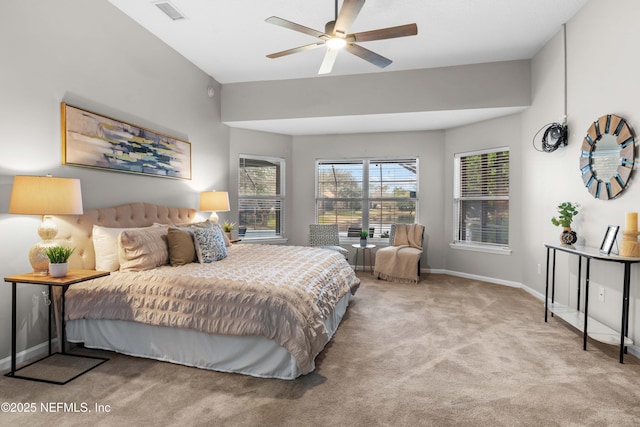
[(75, 230)]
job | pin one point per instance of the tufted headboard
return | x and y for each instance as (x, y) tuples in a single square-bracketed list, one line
[(75, 230)]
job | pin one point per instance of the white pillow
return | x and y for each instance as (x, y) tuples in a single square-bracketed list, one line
[(105, 245)]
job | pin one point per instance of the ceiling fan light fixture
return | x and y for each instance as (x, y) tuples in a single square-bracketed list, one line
[(336, 36), (336, 43)]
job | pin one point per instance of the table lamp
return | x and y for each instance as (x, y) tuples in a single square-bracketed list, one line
[(46, 196), (214, 201)]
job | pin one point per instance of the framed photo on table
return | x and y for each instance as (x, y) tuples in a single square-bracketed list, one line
[(609, 239)]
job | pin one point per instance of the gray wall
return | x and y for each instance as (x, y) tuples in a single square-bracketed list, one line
[(89, 54), (256, 143), (502, 132), (598, 84), (428, 147), (118, 69), (492, 85)]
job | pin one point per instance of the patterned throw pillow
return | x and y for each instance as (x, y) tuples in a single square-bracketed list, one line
[(209, 244), (206, 224)]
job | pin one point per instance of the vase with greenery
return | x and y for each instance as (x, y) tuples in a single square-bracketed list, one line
[(566, 212), (363, 238), (59, 260), (228, 227)]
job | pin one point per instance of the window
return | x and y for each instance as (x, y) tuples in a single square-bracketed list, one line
[(369, 194), (261, 197), (481, 198)]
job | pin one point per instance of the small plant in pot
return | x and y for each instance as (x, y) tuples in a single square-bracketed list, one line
[(363, 238), (227, 227), (566, 212), (59, 260)]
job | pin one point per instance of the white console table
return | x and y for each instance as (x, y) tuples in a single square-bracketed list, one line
[(581, 320)]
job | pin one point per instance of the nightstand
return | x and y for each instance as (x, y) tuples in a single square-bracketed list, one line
[(78, 363)]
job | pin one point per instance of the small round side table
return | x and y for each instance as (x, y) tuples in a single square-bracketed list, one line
[(364, 250)]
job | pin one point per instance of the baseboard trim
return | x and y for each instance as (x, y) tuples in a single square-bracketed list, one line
[(30, 353)]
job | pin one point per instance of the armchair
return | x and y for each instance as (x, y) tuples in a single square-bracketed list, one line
[(400, 261), (326, 236)]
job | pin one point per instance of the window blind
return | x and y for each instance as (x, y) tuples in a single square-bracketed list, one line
[(481, 197), (366, 193), (261, 197)]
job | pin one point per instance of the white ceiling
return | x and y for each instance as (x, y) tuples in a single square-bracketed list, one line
[(229, 40)]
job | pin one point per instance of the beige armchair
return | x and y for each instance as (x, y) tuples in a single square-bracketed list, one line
[(400, 261)]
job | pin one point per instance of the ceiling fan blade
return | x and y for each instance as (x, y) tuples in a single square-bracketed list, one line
[(384, 33), (328, 61), (295, 50), (367, 55), (348, 13), (296, 27)]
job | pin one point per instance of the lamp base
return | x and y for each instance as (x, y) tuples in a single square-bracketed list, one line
[(37, 256), (214, 217)]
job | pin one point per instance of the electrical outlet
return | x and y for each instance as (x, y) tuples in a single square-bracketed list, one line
[(539, 268), (600, 293)]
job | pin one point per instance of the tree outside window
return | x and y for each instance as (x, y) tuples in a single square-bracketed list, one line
[(366, 194)]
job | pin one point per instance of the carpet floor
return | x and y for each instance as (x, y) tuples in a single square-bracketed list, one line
[(448, 351)]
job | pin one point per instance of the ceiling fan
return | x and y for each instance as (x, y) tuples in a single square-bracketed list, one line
[(336, 36)]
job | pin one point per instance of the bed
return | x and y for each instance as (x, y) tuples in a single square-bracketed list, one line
[(262, 310)]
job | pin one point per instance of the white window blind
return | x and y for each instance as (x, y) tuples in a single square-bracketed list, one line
[(369, 194), (261, 197), (481, 198)]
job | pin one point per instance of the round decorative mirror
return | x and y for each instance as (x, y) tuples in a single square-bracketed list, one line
[(607, 157)]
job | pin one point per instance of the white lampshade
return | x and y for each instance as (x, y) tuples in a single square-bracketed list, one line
[(45, 195), (214, 201)]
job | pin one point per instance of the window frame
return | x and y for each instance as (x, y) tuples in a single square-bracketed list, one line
[(504, 249), (280, 198), (366, 198)]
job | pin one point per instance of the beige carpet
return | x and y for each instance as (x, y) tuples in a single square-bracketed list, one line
[(448, 351)]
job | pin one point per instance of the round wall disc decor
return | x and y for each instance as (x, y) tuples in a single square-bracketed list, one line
[(607, 157)]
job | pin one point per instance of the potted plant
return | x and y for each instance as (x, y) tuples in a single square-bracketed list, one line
[(363, 238), (227, 227), (566, 212), (58, 260)]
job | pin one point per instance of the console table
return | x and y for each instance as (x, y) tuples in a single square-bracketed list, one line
[(582, 321)]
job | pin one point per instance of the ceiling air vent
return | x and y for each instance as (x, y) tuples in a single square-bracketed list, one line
[(170, 10)]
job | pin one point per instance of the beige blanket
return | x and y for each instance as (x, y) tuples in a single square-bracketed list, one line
[(399, 262), (282, 293)]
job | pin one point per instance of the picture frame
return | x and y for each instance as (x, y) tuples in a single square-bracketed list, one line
[(609, 239), (96, 141)]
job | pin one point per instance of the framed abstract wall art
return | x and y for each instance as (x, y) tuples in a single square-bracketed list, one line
[(95, 141)]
